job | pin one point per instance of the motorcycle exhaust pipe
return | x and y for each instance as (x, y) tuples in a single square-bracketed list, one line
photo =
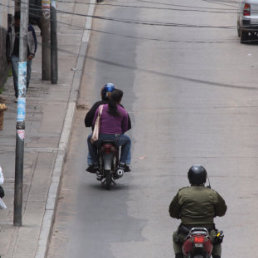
[(120, 172)]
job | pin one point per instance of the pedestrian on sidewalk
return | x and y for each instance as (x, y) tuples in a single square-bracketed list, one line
[(12, 49)]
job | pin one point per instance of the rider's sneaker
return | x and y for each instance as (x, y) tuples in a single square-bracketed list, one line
[(92, 168), (99, 176), (125, 167)]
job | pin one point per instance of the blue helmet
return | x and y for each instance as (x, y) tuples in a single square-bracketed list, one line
[(106, 90)]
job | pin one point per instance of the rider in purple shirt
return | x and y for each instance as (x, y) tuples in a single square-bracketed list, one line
[(113, 125), (110, 124)]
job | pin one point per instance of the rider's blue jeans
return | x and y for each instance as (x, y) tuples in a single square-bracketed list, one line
[(123, 140)]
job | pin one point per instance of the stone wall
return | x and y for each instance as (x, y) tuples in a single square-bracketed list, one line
[(5, 6), (3, 63)]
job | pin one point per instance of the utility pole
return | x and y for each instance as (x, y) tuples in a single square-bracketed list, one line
[(17, 5), (45, 29), (21, 111), (54, 51)]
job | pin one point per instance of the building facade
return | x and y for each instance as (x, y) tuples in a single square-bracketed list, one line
[(5, 7)]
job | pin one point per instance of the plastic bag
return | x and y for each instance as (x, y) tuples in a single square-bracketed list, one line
[(2, 194), (1, 176), (95, 133), (2, 204)]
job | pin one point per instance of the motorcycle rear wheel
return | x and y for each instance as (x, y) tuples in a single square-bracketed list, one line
[(108, 179)]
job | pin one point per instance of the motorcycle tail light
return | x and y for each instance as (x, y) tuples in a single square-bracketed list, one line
[(199, 239), (247, 10), (108, 148)]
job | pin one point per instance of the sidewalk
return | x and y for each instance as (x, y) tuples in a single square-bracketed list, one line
[(49, 116)]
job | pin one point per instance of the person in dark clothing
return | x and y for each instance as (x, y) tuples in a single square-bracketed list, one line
[(105, 93), (113, 126), (88, 121), (196, 206), (12, 49)]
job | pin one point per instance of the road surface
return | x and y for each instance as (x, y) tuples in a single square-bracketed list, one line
[(191, 90)]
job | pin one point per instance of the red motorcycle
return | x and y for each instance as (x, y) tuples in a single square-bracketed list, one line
[(197, 244)]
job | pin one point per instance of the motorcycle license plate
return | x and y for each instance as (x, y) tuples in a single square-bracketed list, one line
[(198, 245)]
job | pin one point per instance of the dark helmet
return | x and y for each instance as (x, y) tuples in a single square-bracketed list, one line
[(106, 90), (197, 175)]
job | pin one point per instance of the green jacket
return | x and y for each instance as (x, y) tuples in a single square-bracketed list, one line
[(197, 205)]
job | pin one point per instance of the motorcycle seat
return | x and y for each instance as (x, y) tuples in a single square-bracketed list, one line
[(112, 142)]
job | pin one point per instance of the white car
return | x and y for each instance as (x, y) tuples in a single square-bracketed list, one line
[(247, 20)]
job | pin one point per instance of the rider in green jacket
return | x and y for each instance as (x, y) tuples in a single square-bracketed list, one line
[(196, 206)]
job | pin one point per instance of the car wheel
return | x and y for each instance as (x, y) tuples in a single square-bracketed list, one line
[(243, 36)]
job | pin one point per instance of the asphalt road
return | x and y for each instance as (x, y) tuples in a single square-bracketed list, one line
[(191, 90)]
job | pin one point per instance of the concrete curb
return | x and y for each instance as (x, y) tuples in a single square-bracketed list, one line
[(49, 215)]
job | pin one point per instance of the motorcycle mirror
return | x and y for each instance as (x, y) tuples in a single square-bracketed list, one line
[(209, 185)]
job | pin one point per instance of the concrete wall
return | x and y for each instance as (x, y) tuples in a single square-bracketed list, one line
[(3, 66)]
